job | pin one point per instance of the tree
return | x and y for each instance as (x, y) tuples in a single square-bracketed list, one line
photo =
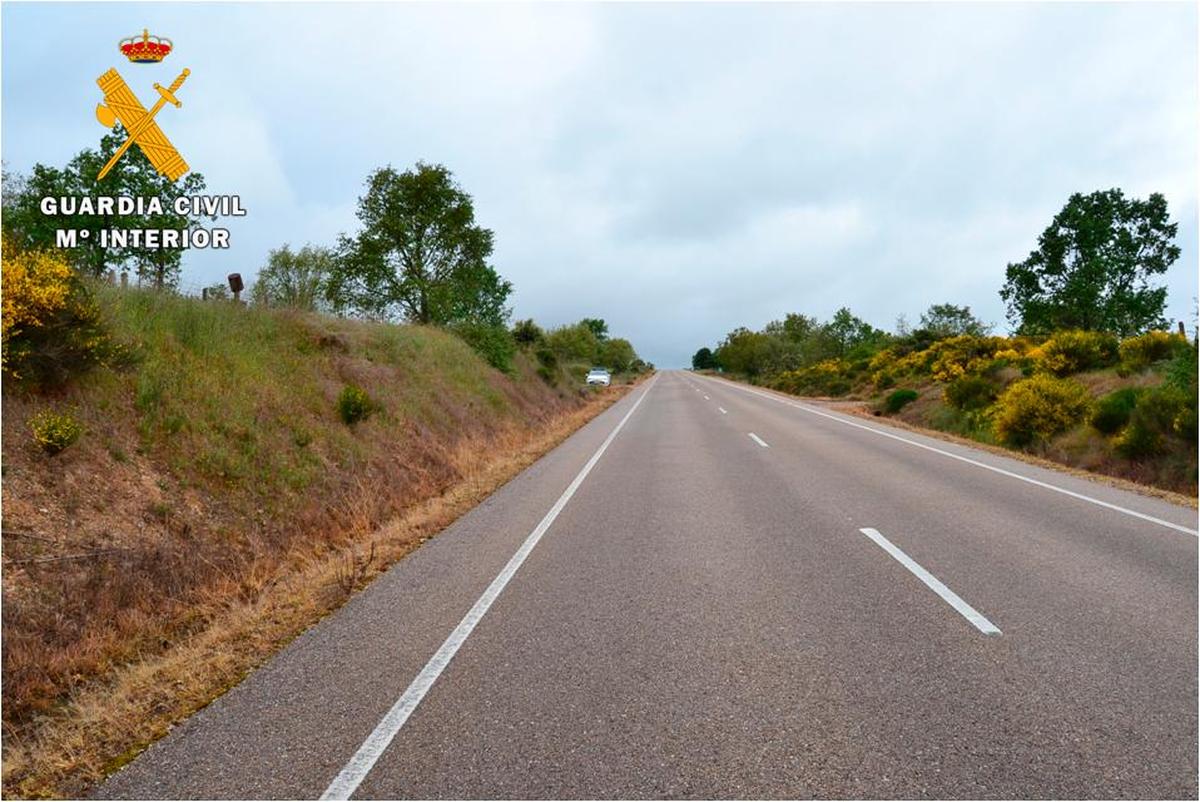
[(294, 279), (575, 343), (847, 333), (798, 328), (598, 327), (948, 320), (420, 255), (704, 360), (527, 333), (1093, 267), (618, 354), (744, 351), (133, 176)]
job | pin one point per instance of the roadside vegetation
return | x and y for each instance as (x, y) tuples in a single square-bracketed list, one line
[(1091, 377), (189, 483)]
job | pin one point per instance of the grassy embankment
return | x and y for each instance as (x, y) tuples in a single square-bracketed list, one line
[(217, 504), (1124, 409)]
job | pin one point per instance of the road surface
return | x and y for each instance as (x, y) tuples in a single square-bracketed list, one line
[(713, 591)]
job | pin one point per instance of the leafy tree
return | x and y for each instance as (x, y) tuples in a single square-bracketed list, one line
[(704, 360), (294, 279), (492, 342), (618, 354), (420, 254), (798, 328), (134, 176), (796, 341), (527, 333), (948, 320), (744, 351), (574, 343), (847, 333), (1093, 267), (598, 327)]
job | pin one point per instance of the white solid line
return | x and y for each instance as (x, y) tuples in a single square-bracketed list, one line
[(360, 764), (970, 461), (950, 597), (758, 440), (723, 412)]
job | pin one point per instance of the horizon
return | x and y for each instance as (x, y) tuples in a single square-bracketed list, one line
[(640, 164)]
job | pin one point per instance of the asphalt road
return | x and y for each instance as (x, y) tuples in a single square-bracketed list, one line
[(710, 591)]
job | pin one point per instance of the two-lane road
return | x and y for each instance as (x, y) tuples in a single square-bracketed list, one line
[(715, 591)]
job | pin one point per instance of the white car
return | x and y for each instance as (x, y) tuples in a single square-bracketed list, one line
[(599, 376)]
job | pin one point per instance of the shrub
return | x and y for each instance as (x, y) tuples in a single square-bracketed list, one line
[(1113, 410), (950, 359), (547, 358), (1181, 375), (573, 343), (353, 404), (1185, 423), (52, 328), (1034, 410), (1181, 371), (828, 377), (899, 400), (1068, 352), (526, 332), (54, 431), (1152, 422), (969, 393), (494, 343), (1153, 346)]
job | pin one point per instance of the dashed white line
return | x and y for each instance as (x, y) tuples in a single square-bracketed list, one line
[(969, 461), (758, 440), (356, 770), (933, 583), (706, 398), (723, 412)]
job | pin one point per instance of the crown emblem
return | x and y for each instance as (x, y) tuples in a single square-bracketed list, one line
[(145, 49)]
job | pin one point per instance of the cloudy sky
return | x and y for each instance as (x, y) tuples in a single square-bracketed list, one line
[(678, 170)]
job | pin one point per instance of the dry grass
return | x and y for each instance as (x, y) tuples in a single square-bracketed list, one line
[(108, 720)]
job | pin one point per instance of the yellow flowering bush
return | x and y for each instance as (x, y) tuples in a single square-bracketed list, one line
[(36, 286), (1069, 352), (1036, 409), (52, 329), (54, 431), (958, 356), (828, 377), (1153, 346)]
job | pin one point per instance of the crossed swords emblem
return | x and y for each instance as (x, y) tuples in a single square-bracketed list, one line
[(121, 104)]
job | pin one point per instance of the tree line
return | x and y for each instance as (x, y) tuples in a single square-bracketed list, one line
[(1093, 269), (419, 255)]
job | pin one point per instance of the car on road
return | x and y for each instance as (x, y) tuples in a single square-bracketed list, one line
[(599, 376)]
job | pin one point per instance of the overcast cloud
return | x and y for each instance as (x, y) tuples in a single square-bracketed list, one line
[(676, 169)]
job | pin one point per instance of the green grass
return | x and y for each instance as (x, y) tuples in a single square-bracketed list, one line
[(236, 397)]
